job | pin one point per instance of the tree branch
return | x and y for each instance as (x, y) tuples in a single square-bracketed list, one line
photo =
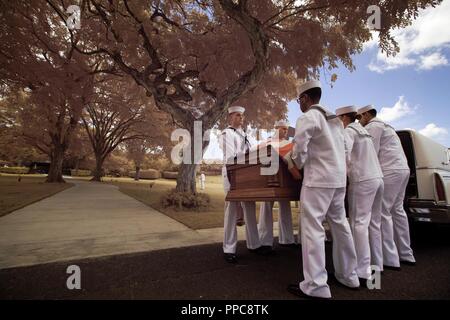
[(249, 80)]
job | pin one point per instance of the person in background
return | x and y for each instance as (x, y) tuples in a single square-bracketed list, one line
[(202, 180)]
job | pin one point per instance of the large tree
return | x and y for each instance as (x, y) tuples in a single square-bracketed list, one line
[(119, 112), (51, 80), (196, 58), (109, 119), (13, 145), (80, 150), (156, 141)]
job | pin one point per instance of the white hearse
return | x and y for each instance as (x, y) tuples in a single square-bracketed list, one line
[(428, 193)]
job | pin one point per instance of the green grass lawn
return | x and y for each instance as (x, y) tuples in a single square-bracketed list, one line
[(15, 195), (211, 217)]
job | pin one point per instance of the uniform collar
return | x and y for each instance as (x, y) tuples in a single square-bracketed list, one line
[(242, 133), (238, 130), (355, 125), (327, 113), (381, 121), (359, 129), (376, 119), (318, 106)]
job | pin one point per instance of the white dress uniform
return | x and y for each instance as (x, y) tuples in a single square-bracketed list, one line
[(233, 142), (285, 228), (265, 225), (319, 148), (365, 195), (202, 181), (394, 223)]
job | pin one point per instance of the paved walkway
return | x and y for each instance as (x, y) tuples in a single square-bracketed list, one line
[(90, 220)]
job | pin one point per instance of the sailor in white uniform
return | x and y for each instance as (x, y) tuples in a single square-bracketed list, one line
[(365, 193), (265, 225), (202, 179), (233, 142), (394, 222), (319, 149)]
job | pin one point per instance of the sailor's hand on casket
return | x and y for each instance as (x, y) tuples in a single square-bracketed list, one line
[(288, 160), (291, 166)]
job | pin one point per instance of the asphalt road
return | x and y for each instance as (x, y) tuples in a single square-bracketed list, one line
[(199, 272)]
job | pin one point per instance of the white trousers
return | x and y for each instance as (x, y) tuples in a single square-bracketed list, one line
[(394, 222), (364, 201), (230, 217), (265, 225), (202, 185), (230, 228), (318, 204)]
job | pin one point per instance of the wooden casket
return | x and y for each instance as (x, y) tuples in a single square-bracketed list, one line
[(248, 184)]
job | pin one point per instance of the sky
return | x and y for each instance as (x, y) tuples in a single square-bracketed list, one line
[(410, 90)]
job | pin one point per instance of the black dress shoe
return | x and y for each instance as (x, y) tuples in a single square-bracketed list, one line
[(295, 290), (289, 245), (266, 250), (335, 281), (408, 263), (362, 282), (230, 257), (263, 250), (392, 268)]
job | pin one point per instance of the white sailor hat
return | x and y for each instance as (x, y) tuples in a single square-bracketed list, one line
[(281, 123), (365, 109), (236, 109), (309, 85), (345, 110)]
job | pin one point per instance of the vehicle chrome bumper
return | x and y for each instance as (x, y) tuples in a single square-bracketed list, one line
[(428, 211)]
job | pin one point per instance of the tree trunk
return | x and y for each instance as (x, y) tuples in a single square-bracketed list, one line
[(186, 178), (136, 175), (56, 165), (98, 171)]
